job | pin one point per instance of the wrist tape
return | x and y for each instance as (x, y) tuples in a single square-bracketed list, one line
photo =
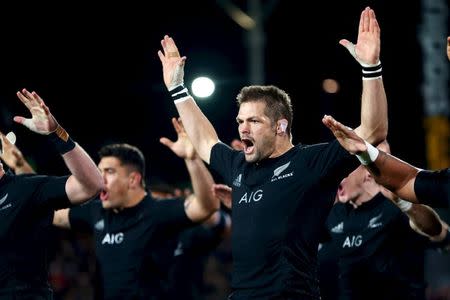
[(369, 156), (404, 205), (180, 93), (61, 140), (372, 72)]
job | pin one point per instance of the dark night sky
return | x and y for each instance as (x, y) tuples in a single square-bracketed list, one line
[(97, 69)]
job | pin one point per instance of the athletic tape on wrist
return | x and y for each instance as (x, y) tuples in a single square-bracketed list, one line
[(404, 205), (179, 93), (369, 156), (372, 72), (62, 141)]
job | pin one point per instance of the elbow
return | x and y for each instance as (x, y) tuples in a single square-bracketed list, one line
[(95, 187), (213, 205), (378, 135)]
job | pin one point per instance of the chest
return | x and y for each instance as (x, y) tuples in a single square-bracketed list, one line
[(123, 234)]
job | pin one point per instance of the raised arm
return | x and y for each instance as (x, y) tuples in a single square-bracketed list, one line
[(202, 203), (199, 129), (389, 171), (374, 122), (13, 157), (86, 180)]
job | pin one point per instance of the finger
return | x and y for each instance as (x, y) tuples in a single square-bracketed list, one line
[(30, 97), (349, 46), (19, 119), (5, 141), (373, 24), (166, 142), (171, 45), (161, 56), (361, 24), (17, 154), (180, 123), (11, 137), (164, 45), (237, 144), (376, 27), (24, 99), (45, 108), (176, 126), (223, 187), (3, 144), (37, 98), (366, 20)]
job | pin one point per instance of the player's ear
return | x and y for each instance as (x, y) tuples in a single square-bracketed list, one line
[(282, 126)]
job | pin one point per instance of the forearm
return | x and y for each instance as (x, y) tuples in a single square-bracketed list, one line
[(86, 180), (374, 121), (202, 182), (394, 174), (24, 168), (199, 129), (425, 219)]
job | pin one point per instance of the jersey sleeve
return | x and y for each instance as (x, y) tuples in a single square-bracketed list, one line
[(433, 188), (81, 216), (50, 191), (224, 159), (171, 216), (330, 160)]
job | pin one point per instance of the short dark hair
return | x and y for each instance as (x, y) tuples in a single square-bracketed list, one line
[(278, 102), (128, 155)]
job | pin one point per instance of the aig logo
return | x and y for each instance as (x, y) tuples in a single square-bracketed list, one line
[(112, 238), (352, 241), (253, 197)]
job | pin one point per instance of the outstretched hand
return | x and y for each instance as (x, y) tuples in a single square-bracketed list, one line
[(172, 63), (42, 121), (348, 139), (367, 48), (223, 192), (182, 147)]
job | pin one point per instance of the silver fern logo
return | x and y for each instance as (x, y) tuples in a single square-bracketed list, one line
[(3, 199), (100, 225), (277, 172)]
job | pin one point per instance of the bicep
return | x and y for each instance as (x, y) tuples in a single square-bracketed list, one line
[(76, 192)]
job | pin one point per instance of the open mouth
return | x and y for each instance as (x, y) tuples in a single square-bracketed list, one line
[(103, 195), (248, 145)]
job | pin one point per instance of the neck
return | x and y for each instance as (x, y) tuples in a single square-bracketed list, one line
[(282, 145), (368, 194), (134, 197)]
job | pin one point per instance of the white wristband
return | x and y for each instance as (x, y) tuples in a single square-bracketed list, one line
[(404, 205), (369, 156)]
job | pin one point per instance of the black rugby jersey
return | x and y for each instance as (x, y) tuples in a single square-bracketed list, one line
[(27, 205), (381, 257), (124, 244), (279, 208)]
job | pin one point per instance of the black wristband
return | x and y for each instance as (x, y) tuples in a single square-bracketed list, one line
[(62, 141), (179, 92), (372, 72)]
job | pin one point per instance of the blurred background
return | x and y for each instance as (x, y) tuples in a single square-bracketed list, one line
[(97, 68)]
